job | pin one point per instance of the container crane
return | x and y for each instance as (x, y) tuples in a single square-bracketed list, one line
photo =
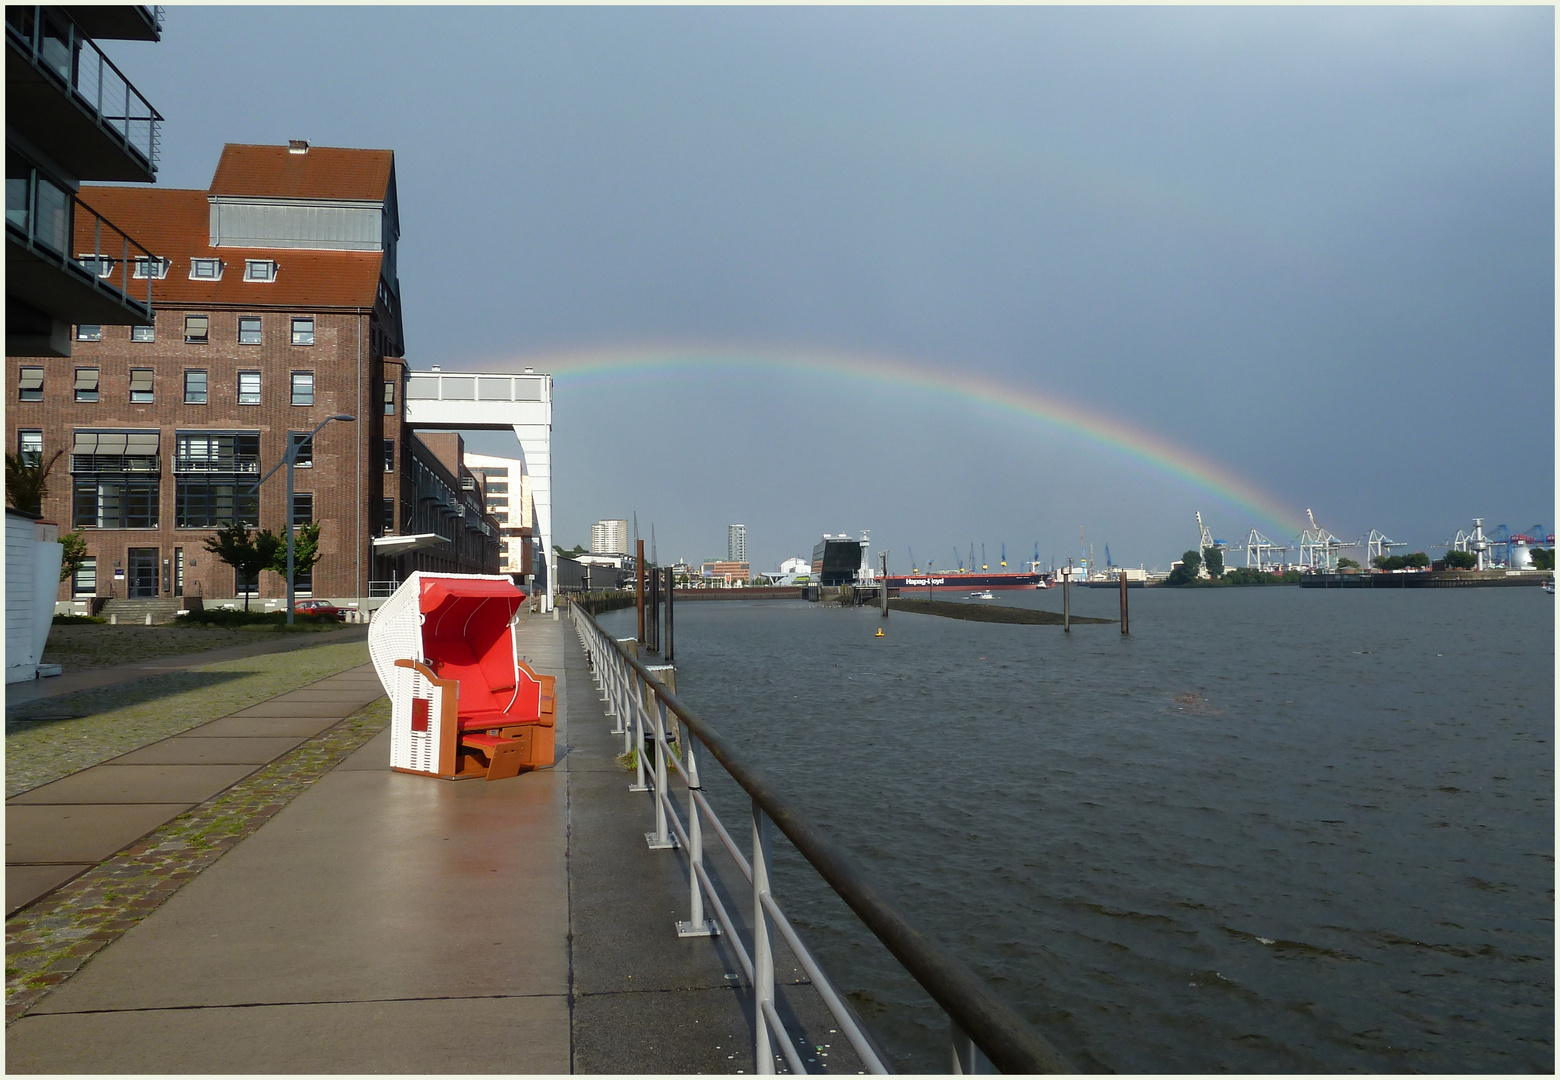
[(957, 559), (983, 565), (1004, 554)]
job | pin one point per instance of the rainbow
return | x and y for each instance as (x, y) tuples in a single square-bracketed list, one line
[(593, 367)]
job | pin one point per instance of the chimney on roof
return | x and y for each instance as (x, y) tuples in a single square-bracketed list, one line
[(297, 146)]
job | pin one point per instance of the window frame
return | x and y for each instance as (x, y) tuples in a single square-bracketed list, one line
[(25, 392), (190, 322), (305, 443), (95, 390), (263, 270), (293, 388), (297, 333), (150, 333), (216, 266), (150, 392), (389, 455), (89, 332), (22, 452), (144, 264), (389, 397), (306, 495), (259, 391), (205, 386), (257, 330)]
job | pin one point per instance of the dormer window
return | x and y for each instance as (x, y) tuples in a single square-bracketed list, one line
[(151, 267), (101, 265), (259, 269), (205, 269)]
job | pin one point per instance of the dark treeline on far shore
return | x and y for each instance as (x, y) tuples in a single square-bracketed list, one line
[(1186, 572)]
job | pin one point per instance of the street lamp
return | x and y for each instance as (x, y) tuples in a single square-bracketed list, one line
[(290, 459)]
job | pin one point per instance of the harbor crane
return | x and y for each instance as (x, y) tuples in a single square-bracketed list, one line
[(957, 558), (914, 569), (1004, 554), (1262, 553), (1376, 544), (1206, 542)]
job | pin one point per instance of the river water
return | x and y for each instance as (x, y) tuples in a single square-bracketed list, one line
[(1272, 830)]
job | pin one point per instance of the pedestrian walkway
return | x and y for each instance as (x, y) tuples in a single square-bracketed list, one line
[(384, 922), (121, 674)]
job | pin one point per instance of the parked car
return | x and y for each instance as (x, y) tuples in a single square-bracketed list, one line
[(320, 609)]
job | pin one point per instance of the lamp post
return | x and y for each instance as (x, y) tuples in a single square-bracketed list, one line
[(290, 459)]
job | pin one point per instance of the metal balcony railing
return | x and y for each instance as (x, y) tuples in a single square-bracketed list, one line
[(70, 58), (237, 465), (81, 464), (984, 1030), (59, 228)]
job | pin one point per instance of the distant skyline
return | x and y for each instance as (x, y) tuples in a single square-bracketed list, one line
[(955, 275)]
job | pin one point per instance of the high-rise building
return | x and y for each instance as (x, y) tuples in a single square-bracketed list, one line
[(736, 543), (277, 308), (507, 497), (609, 537)]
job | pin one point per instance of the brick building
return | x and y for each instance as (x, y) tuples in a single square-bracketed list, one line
[(277, 305)]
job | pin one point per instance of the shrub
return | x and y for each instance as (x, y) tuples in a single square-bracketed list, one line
[(76, 620)]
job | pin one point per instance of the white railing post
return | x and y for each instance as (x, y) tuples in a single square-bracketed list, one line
[(697, 925), (637, 732), (660, 839), (967, 1057), (763, 955)]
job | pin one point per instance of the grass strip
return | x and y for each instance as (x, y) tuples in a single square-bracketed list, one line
[(982, 613), (85, 646), (49, 941), (55, 737)]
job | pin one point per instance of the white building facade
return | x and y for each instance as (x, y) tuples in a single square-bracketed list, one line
[(507, 496), (609, 537)]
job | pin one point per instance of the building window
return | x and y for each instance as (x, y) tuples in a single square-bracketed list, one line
[(89, 333), (140, 386), (151, 267), (259, 270), (30, 386), (205, 269), (501, 501), (84, 582), (389, 398), (29, 447), (143, 333), (245, 584), (498, 487), (303, 331), (249, 331), (117, 503), (101, 265), (86, 384), (194, 388), (249, 388), (197, 329), (303, 507), (303, 388), (502, 517), (211, 502), (303, 581), (389, 455), (305, 444), (387, 515)]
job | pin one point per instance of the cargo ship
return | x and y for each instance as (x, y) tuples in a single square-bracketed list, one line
[(966, 582)]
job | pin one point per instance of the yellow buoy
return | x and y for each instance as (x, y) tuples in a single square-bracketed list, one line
[(880, 632)]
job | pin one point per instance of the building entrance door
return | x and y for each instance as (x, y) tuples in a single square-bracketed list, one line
[(143, 573), (178, 571)]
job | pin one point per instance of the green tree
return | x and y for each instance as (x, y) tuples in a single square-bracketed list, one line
[(246, 553), (26, 483), (75, 545), (306, 550), (1461, 560), (1347, 563), (1213, 559), (1186, 573), (1418, 560), (1543, 558)]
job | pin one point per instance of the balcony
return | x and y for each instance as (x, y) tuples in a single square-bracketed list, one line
[(230, 466), (67, 97), (68, 262), (115, 464)]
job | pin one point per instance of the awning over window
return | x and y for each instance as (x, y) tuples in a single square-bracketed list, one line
[(86, 378), (32, 378), (400, 545), (133, 443), (140, 380)]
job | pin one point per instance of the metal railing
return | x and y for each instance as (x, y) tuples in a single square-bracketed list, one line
[(58, 227), (984, 1030), (59, 49), (198, 463)]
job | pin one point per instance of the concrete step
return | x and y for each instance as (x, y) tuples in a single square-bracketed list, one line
[(162, 609)]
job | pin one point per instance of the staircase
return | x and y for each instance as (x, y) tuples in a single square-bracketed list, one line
[(161, 609)]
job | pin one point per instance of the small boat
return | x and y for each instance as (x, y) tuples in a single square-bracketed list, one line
[(1549, 586), (989, 595)]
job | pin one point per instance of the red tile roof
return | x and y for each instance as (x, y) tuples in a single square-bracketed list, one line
[(176, 224), (324, 172)]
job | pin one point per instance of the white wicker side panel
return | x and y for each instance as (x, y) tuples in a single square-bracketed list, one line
[(396, 634)]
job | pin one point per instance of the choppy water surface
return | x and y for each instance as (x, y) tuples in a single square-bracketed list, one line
[(1272, 830)]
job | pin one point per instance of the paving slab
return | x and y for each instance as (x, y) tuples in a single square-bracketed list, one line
[(78, 834), (24, 884), (372, 885), (191, 749), (136, 784), (375, 756), (466, 1035), (263, 726), (275, 707)]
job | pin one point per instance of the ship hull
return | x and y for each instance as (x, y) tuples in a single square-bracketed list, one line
[(965, 582)]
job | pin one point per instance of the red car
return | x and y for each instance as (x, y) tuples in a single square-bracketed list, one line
[(320, 609)]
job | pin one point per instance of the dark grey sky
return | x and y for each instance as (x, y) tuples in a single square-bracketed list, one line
[(1315, 245)]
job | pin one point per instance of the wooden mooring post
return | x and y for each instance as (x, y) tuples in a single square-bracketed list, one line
[(639, 586), (1067, 600), (671, 583), (1123, 601), (884, 597)]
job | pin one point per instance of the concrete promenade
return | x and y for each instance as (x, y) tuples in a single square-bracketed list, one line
[(381, 922)]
